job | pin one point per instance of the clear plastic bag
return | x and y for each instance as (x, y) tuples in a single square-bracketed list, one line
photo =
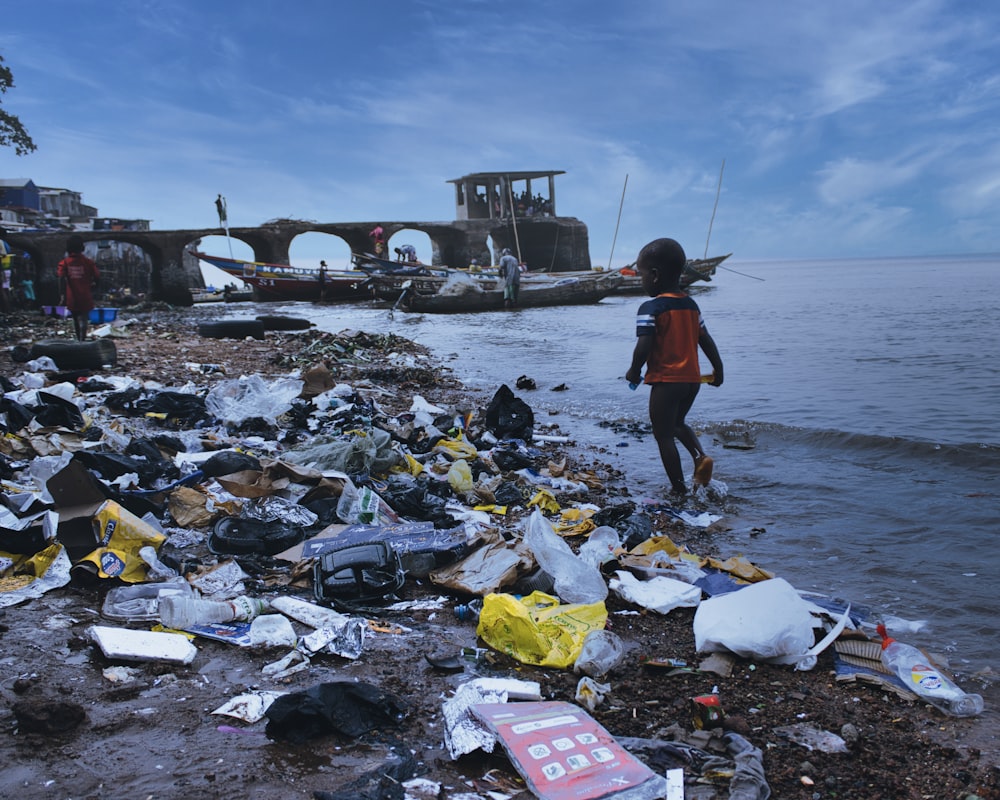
[(241, 399), (575, 580), (602, 652)]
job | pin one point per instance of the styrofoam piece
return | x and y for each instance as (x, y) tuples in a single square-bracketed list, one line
[(129, 645)]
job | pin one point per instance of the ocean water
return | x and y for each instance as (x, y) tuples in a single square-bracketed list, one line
[(856, 436)]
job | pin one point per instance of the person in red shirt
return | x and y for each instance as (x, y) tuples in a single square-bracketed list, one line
[(77, 279), (669, 331)]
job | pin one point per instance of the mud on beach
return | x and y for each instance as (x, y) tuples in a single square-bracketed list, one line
[(69, 731)]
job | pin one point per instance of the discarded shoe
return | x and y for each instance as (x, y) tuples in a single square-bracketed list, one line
[(239, 536), (703, 470)]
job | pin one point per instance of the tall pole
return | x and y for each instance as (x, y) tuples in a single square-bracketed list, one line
[(619, 222), (513, 222), (717, 190)]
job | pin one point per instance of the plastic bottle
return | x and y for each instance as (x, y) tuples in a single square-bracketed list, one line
[(184, 612), (915, 670), (469, 612)]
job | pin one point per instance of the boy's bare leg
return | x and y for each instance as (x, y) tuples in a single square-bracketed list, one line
[(668, 405)]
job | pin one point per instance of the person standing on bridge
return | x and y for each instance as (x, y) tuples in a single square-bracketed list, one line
[(377, 235), (220, 206), (77, 279)]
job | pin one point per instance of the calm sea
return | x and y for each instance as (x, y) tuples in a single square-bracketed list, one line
[(857, 434)]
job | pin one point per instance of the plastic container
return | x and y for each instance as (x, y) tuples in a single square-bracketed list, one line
[(915, 670), (98, 315), (185, 612)]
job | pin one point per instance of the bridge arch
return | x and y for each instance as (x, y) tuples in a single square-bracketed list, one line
[(559, 243)]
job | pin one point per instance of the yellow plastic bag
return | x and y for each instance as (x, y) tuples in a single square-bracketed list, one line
[(460, 476), (538, 630), (545, 500)]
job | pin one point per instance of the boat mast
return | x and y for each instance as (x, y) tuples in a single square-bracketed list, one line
[(513, 218), (619, 222), (717, 190)]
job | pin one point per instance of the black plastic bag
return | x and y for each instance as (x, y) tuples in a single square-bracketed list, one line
[(226, 462), (343, 707), (509, 417)]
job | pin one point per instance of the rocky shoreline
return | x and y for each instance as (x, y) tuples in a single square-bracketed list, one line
[(154, 735)]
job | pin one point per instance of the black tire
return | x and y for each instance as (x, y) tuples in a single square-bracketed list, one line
[(77, 355), (279, 323), (232, 329)]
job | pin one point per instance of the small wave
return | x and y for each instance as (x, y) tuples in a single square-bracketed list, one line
[(972, 455)]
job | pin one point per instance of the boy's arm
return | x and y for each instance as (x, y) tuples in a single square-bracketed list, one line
[(643, 345), (707, 344)]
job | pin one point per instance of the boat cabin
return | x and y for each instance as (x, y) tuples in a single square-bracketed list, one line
[(503, 195)]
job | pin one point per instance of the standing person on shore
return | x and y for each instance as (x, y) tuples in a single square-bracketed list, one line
[(322, 280), (669, 331), (511, 271), (6, 271), (77, 279)]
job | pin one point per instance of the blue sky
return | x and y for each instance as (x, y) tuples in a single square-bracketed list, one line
[(848, 129)]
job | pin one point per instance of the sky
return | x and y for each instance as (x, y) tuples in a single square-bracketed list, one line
[(847, 129)]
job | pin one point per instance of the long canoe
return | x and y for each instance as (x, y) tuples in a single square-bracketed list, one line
[(284, 282), (462, 296)]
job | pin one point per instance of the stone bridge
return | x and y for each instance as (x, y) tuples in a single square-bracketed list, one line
[(556, 244)]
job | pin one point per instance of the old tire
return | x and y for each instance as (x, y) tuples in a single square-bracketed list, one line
[(232, 329), (77, 355), (280, 323)]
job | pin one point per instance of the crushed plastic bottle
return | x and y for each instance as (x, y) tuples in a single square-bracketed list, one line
[(915, 670)]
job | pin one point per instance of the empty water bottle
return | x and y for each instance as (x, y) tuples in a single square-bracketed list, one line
[(916, 671), (185, 612)]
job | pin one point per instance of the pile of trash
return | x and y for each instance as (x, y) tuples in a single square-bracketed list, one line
[(287, 513)]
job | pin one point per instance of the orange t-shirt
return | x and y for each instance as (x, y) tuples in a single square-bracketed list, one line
[(675, 320)]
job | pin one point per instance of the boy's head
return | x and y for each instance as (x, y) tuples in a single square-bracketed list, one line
[(74, 244), (660, 264)]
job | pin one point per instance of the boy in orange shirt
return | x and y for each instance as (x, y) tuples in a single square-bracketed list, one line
[(669, 331)]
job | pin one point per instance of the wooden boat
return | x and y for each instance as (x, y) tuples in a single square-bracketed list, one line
[(463, 293), (696, 269), (284, 282)]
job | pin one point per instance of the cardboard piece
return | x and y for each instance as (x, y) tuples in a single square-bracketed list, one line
[(76, 495)]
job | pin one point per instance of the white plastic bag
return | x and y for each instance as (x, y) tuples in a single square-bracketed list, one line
[(766, 620), (659, 594)]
